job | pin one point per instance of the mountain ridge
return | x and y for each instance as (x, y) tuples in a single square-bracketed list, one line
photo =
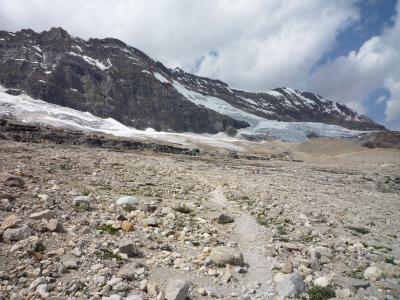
[(111, 79)]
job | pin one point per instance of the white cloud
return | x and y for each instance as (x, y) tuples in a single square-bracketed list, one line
[(280, 44), (393, 105), (251, 44), (252, 37), (375, 65), (381, 99)]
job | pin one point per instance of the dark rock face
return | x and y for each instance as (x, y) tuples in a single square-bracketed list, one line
[(110, 79), (383, 139), (15, 131)]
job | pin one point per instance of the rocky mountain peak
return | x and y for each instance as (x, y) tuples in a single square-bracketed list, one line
[(111, 79), (56, 34)]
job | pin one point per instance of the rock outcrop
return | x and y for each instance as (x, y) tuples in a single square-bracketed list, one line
[(111, 79)]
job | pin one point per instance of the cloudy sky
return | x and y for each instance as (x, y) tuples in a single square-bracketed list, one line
[(345, 50)]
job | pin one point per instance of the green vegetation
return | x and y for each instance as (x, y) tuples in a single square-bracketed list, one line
[(360, 230), (307, 237), (389, 260), (380, 247), (81, 207), (225, 219), (64, 167), (262, 220), (128, 208), (281, 229), (182, 208), (108, 228), (321, 293), (357, 273), (180, 223), (107, 254)]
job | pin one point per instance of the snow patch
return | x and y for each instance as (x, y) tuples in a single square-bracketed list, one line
[(79, 48), (25, 109), (274, 94), (37, 48), (92, 61), (161, 78), (287, 131)]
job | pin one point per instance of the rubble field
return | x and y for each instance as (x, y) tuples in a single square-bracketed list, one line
[(79, 223)]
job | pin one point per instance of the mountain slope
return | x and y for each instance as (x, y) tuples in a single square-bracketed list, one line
[(110, 79)]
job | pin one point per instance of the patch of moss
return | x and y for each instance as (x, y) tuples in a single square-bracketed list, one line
[(224, 219), (262, 220), (182, 208), (180, 223), (38, 247), (357, 274), (107, 254), (360, 230), (389, 260), (379, 247), (284, 239), (307, 238), (128, 208), (81, 207), (65, 166), (108, 228), (281, 229), (320, 293)]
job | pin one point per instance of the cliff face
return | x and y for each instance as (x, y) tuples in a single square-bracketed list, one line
[(111, 79)]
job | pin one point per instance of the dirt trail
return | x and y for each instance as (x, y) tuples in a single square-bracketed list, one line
[(250, 236)]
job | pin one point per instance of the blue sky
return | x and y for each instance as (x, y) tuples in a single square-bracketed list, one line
[(345, 50), (375, 17)]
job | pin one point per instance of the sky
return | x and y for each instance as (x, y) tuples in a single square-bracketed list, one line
[(345, 50)]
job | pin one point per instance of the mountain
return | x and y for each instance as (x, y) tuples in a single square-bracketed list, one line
[(110, 79)]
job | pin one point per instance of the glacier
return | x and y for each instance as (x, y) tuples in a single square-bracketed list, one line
[(286, 131), (25, 109)]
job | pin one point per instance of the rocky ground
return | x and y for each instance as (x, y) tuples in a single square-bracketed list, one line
[(79, 222)]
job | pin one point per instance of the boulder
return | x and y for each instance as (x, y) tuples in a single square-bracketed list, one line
[(372, 274), (43, 290), (225, 219), (287, 267), (82, 202), (150, 222), (70, 262), (152, 289), (127, 201), (322, 281), (17, 234), (11, 180), (177, 289), (223, 255), (44, 214), (350, 282), (291, 285), (54, 225), (127, 247), (134, 297), (127, 226), (8, 222)]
